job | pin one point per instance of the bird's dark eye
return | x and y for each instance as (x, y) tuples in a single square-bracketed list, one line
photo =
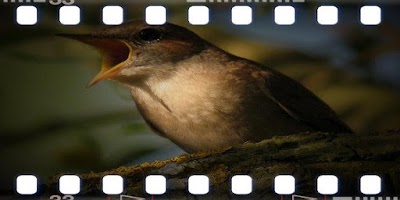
[(150, 35)]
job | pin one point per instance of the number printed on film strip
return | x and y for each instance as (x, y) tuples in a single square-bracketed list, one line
[(200, 99)]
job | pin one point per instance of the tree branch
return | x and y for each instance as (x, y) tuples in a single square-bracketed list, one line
[(305, 156)]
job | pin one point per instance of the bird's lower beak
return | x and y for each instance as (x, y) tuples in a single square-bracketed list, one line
[(115, 53)]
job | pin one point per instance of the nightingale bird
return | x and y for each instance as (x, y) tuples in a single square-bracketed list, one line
[(199, 96)]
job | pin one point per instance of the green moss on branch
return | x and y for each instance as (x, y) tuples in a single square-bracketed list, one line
[(305, 156)]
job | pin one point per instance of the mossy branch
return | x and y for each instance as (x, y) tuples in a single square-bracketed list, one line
[(305, 156)]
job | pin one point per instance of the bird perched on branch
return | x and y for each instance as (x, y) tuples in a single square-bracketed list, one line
[(200, 96)]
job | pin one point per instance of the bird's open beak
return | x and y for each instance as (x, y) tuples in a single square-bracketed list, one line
[(115, 53)]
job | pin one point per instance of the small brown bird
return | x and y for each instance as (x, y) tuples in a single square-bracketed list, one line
[(198, 95)]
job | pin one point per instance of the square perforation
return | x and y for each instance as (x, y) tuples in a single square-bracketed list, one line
[(198, 184), (70, 15), (113, 15), (26, 184), (69, 184), (241, 184), (198, 15), (156, 184), (370, 15), (156, 15), (27, 15), (284, 15), (242, 15), (112, 184), (284, 184), (327, 15)]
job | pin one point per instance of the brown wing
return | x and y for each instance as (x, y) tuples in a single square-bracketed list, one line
[(302, 104)]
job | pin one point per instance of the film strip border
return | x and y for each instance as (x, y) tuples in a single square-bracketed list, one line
[(198, 184), (199, 15), (244, 1)]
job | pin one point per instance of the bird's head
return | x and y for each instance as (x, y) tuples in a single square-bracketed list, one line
[(136, 45)]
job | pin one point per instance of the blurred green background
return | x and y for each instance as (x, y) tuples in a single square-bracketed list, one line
[(52, 123)]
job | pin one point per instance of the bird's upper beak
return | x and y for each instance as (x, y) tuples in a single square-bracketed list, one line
[(115, 53)]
